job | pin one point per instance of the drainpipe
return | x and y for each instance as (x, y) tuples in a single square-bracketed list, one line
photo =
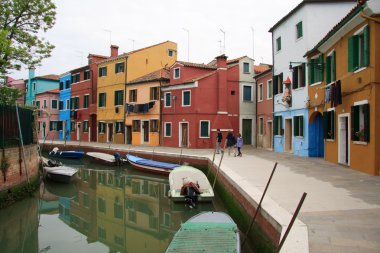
[(272, 95), (160, 127), (125, 98)]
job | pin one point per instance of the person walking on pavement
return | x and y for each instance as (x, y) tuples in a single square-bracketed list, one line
[(239, 144), (231, 141), (219, 138)]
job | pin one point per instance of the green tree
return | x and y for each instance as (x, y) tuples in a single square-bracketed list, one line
[(21, 23), (8, 96)]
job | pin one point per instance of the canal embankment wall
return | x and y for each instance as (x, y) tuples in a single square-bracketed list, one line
[(239, 197)]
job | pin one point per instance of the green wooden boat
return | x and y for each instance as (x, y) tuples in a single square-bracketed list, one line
[(207, 232)]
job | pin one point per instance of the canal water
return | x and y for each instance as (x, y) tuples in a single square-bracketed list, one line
[(107, 209)]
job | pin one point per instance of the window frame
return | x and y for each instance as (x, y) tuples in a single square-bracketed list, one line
[(261, 126), (85, 126), (166, 124), (86, 74), (329, 124), (132, 95), (278, 125), (208, 129), (278, 84), (316, 75), (176, 73), (244, 94), (56, 104), (119, 127), (86, 97), (270, 89), (183, 98), (278, 44), (153, 125), (330, 67), (360, 112), (154, 93), (136, 125), (102, 71), (168, 95), (100, 103), (67, 104), (298, 126), (359, 49), (260, 92), (299, 76), (119, 67), (299, 30), (246, 68), (101, 127), (117, 97)]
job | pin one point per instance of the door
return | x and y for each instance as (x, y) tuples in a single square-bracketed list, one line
[(269, 134), (343, 140), (110, 132), (184, 135), (128, 136), (93, 127), (288, 135), (144, 131), (78, 131), (247, 131), (316, 137)]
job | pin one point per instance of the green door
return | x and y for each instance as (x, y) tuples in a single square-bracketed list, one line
[(247, 131)]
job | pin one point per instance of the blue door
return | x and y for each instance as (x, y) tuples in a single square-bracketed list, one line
[(316, 143)]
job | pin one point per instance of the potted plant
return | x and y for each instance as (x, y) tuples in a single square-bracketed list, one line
[(360, 134)]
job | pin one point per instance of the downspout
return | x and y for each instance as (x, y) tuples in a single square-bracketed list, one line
[(273, 95), (125, 99), (160, 127)]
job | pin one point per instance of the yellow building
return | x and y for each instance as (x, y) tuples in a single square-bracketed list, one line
[(114, 74), (143, 116), (344, 87)]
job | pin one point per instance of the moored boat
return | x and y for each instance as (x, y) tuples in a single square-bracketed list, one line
[(207, 232), (148, 165), (188, 184), (105, 158), (62, 174), (71, 154)]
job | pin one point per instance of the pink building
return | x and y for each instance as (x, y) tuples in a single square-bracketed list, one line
[(198, 100), (264, 107), (17, 84), (48, 125)]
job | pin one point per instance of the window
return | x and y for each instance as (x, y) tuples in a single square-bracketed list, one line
[(86, 74), (119, 67), (269, 89), (277, 125), (102, 127), (34, 86), (55, 125), (67, 84), (60, 106), (260, 92), (298, 76), (102, 232), (186, 97), (247, 93), (101, 205), (261, 126), (119, 127), (119, 97), (72, 126), (176, 73), (168, 129), (117, 210), (170, 52), (75, 78), (133, 95), (204, 129), (316, 70), (54, 104), (299, 31), (67, 104), (44, 104), (154, 93), (358, 50), (135, 125), (102, 99), (102, 71), (330, 68), (86, 101), (246, 67), (298, 126), (329, 124), (278, 44), (74, 103), (360, 122), (85, 126), (168, 102), (61, 85), (153, 125), (277, 84)]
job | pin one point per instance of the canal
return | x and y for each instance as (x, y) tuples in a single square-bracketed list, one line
[(107, 209)]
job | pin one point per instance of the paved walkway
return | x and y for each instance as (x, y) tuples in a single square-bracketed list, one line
[(341, 210)]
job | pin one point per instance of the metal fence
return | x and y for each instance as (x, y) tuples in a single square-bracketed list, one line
[(9, 130)]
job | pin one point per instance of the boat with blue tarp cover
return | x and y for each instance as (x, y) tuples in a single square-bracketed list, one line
[(151, 165), (71, 154)]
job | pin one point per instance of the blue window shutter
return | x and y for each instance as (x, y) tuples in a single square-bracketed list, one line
[(366, 55)]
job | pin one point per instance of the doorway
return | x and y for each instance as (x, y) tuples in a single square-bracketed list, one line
[(93, 127), (78, 131), (316, 136), (110, 132), (184, 135), (247, 131), (343, 139), (269, 134), (288, 135), (145, 131), (128, 135)]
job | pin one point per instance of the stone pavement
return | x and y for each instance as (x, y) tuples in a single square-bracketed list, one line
[(341, 210)]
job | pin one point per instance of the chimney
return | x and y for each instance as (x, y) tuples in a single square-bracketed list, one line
[(114, 51), (221, 64), (32, 72), (221, 61)]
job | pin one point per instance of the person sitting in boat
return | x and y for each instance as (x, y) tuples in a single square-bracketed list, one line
[(190, 189), (117, 159)]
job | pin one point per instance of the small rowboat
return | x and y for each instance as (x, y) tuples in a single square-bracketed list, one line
[(148, 165), (71, 154), (207, 232), (105, 158), (62, 174)]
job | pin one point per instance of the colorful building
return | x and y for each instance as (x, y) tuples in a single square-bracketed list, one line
[(17, 84), (83, 100), (39, 84), (143, 108), (344, 106), (64, 105), (114, 74), (292, 36), (199, 100), (48, 126), (264, 87)]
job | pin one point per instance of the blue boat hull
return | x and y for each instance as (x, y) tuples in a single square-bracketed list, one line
[(150, 165), (68, 154)]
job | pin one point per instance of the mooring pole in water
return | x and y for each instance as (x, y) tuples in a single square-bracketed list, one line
[(212, 163), (217, 171), (259, 206), (153, 152), (291, 222), (22, 143)]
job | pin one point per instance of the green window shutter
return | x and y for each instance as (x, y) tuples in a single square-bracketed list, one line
[(325, 125), (350, 54), (296, 126), (328, 69), (280, 119), (354, 122), (301, 126), (320, 67), (366, 113), (303, 72), (275, 85), (281, 83), (366, 55), (333, 67), (295, 77), (115, 98), (275, 128), (311, 71), (332, 120)]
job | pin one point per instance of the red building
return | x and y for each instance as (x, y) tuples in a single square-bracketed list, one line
[(264, 87), (198, 100), (83, 102)]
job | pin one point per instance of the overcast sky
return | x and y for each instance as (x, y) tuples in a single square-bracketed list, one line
[(86, 26)]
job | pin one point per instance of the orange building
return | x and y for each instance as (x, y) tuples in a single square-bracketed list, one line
[(344, 89)]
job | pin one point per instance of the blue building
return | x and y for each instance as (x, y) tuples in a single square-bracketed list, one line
[(39, 84), (64, 105)]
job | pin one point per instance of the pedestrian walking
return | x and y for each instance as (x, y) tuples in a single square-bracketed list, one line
[(231, 141), (239, 144), (219, 138)]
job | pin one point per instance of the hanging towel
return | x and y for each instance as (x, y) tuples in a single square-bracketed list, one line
[(327, 94), (151, 104), (332, 95)]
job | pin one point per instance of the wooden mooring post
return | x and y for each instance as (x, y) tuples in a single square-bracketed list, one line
[(217, 171)]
